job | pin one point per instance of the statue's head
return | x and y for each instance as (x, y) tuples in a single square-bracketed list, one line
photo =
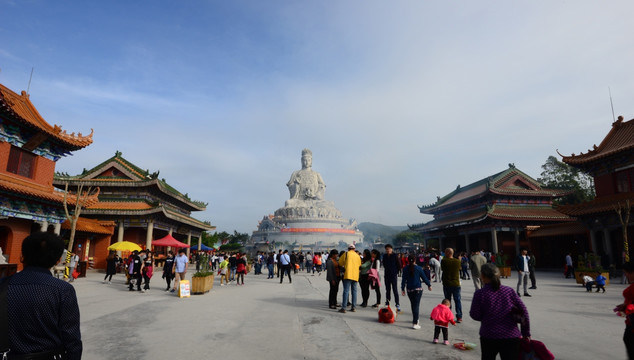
[(307, 158)]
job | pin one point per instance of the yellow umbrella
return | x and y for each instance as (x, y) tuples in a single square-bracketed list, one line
[(124, 246)]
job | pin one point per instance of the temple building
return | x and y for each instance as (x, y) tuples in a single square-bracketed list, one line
[(307, 220), (491, 214), (599, 228), (137, 203), (29, 150)]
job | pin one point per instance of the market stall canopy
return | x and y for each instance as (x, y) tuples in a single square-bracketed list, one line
[(202, 247), (124, 246), (169, 241)]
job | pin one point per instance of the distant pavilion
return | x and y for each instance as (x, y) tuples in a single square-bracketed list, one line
[(491, 214)]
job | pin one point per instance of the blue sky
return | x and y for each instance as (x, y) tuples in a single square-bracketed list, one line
[(400, 102)]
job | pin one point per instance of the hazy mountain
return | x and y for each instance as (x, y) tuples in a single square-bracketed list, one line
[(372, 231)]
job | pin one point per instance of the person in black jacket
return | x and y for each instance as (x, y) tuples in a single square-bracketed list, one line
[(42, 311), (135, 267), (392, 266), (167, 270)]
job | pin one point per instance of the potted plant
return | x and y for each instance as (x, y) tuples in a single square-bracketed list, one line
[(203, 280), (590, 264), (500, 261)]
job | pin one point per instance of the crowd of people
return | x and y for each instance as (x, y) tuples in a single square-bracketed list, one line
[(504, 319)]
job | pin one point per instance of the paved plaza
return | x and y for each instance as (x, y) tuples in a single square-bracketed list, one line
[(268, 320)]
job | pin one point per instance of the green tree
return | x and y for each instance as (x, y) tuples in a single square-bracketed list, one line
[(408, 237), (238, 238), (559, 175)]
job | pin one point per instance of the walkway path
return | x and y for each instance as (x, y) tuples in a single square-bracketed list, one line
[(266, 319)]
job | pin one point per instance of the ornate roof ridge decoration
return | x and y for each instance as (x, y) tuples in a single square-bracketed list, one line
[(619, 138), (21, 108), (143, 178), (494, 184)]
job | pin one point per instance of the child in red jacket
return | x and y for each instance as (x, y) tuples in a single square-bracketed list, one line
[(442, 316)]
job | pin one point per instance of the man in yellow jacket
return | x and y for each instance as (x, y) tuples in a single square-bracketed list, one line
[(350, 261)]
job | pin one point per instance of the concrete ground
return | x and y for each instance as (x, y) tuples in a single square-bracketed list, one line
[(270, 320)]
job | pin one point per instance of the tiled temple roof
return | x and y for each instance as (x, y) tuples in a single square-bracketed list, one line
[(603, 204), (91, 226), (32, 189), (21, 109), (546, 213), (134, 177), (142, 208), (511, 181), (497, 212), (619, 139)]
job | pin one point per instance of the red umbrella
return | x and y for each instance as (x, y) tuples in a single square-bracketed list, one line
[(169, 241)]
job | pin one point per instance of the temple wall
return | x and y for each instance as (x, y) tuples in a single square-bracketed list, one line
[(604, 185), (44, 168), (44, 171), (135, 235), (19, 229), (100, 245), (4, 155)]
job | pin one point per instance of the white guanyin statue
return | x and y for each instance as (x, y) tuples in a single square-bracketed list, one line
[(306, 184)]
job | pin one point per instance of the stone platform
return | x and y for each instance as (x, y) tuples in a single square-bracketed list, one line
[(265, 319)]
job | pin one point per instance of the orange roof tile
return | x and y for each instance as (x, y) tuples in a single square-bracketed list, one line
[(21, 107), (620, 138), (25, 187), (92, 226)]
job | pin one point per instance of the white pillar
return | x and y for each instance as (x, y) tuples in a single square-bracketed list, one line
[(44, 225), (58, 228), (120, 232), (494, 241), (200, 241), (148, 235)]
